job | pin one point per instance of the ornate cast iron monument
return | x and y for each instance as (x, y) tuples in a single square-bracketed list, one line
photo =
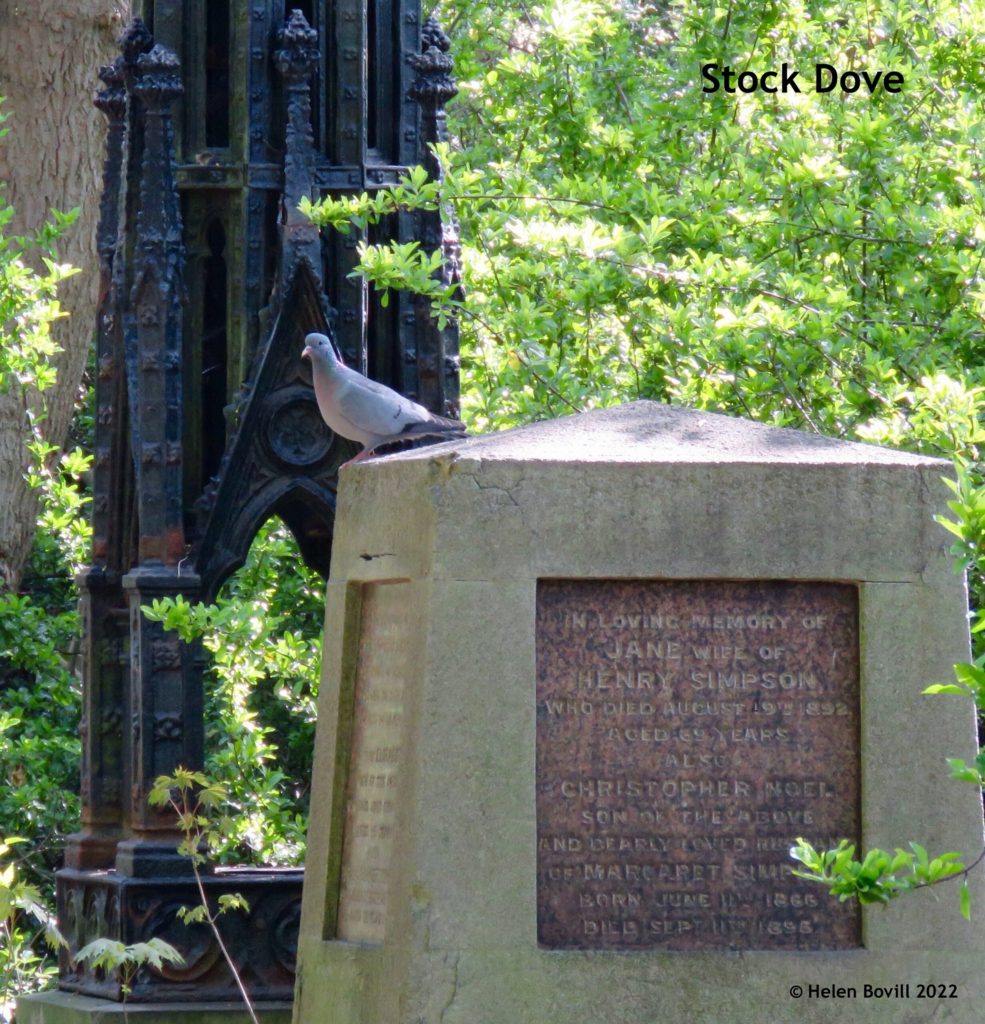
[(221, 117)]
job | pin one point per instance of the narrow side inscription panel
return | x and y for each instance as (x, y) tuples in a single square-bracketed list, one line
[(687, 733), (375, 764)]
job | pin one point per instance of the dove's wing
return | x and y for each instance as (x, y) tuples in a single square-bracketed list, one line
[(373, 408)]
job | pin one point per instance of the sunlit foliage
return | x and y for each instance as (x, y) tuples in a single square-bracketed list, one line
[(809, 260)]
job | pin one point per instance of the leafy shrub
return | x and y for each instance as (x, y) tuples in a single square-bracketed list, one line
[(24, 924), (264, 637), (808, 260)]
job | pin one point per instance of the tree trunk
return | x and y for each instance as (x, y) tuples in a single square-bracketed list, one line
[(52, 157)]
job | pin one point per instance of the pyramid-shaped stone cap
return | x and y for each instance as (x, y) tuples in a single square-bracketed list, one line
[(646, 489), (651, 432)]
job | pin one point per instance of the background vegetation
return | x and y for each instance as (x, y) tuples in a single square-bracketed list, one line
[(806, 260)]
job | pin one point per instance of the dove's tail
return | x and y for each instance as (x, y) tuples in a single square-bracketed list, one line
[(419, 435), (436, 425)]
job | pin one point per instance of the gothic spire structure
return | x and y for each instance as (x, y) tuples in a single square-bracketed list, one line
[(221, 117)]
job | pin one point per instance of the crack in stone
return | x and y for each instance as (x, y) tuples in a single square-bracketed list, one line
[(508, 491), (454, 957), (497, 487)]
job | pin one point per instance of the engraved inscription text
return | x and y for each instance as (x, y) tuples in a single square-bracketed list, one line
[(377, 753), (687, 733)]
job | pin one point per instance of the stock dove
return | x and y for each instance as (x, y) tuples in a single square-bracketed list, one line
[(364, 410)]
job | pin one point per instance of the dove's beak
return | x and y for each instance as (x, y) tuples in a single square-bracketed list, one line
[(306, 353)]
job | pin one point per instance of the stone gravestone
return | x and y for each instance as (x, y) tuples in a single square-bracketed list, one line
[(585, 683)]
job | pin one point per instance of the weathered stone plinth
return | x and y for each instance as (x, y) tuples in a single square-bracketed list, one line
[(586, 682), (108, 904), (66, 1008)]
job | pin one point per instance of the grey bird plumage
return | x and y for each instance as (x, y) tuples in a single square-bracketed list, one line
[(364, 410)]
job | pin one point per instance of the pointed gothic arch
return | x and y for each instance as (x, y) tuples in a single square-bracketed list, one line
[(281, 458)]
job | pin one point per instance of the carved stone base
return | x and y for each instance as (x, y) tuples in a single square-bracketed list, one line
[(66, 1008), (262, 941)]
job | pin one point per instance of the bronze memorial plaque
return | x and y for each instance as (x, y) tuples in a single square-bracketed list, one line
[(687, 733)]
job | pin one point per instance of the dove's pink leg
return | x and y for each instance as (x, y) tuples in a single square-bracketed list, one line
[(364, 454)]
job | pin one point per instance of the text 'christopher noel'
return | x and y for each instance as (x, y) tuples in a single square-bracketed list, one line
[(827, 78)]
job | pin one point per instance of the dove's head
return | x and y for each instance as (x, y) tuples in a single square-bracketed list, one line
[(318, 348)]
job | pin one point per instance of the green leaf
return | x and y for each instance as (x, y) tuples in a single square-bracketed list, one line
[(193, 915), (233, 901)]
